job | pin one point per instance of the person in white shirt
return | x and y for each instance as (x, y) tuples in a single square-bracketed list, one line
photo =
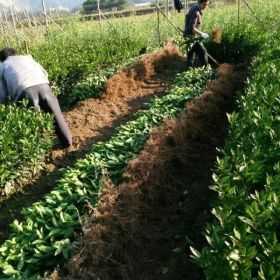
[(22, 77)]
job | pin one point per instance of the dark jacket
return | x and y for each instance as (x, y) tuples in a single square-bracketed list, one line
[(193, 19), (178, 5)]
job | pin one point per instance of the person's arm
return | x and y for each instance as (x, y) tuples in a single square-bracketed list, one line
[(195, 30), (3, 93), (3, 87)]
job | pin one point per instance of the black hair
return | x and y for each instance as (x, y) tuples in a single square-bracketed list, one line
[(203, 1), (6, 52)]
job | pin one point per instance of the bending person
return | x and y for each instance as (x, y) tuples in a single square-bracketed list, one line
[(22, 77)]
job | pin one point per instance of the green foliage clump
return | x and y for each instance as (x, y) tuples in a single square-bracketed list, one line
[(244, 241), (25, 137)]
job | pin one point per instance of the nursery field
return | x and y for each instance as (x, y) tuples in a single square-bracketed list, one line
[(173, 173)]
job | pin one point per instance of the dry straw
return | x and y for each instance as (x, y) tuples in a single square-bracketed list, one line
[(217, 35)]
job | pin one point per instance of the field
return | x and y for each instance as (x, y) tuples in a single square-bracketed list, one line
[(173, 174)]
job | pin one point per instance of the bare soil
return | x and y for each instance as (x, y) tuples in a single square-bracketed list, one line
[(142, 229), (95, 119)]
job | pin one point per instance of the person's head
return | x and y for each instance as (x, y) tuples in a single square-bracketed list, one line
[(203, 4), (6, 52)]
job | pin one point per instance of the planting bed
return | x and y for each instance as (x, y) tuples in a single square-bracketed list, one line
[(184, 146), (142, 229), (95, 119)]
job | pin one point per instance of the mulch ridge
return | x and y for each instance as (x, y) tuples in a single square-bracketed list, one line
[(139, 229), (95, 119)]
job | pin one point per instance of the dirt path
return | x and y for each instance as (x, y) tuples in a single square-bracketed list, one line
[(93, 120), (142, 229)]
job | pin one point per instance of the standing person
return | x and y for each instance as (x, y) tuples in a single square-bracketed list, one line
[(192, 22), (22, 77)]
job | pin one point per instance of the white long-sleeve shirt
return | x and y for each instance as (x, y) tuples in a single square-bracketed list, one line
[(19, 72)]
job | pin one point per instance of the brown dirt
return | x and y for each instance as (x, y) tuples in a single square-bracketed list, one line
[(142, 229), (95, 119)]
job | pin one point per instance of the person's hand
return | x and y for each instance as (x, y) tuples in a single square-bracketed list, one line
[(204, 35)]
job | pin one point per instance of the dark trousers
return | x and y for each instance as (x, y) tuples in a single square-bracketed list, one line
[(41, 97), (201, 52)]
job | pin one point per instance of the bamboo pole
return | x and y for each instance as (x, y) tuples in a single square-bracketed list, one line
[(50, 11), (249, 7), (46, 19), (61, 29), (5, 16), (28, 19), (4, 31), (238, 11), (107, 20), (176, 27), (34, 18), (11, 28), (158, 23), (3, 22), (16, 14), (14, 25), (99, 15), (26, 46)]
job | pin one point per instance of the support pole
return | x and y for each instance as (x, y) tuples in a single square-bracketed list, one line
[(4, 31), (107, 20), (14, 25), (158, 24), (46, 19), (26, 47), (5, 16), (61, 29), (176, 27), (249, 7), (99, 15), (50, 11), (238, 11), (28, 19)]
